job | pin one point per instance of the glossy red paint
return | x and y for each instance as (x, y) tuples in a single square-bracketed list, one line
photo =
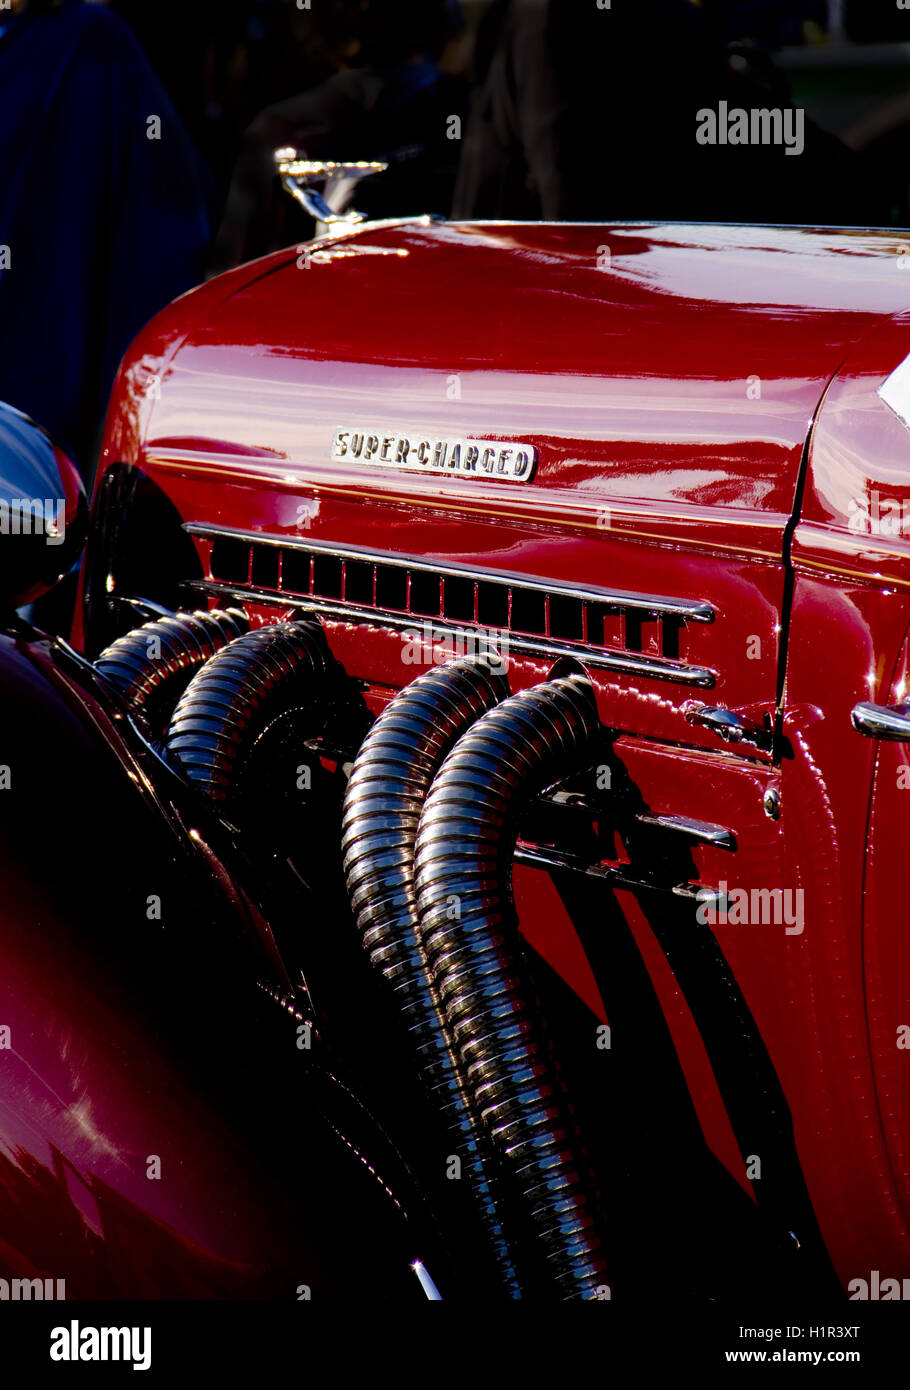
[(850, 618), (669, 377)]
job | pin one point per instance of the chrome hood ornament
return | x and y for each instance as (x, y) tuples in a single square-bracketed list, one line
[(330, 207)]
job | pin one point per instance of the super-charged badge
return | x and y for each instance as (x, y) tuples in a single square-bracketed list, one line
[(500, 460)]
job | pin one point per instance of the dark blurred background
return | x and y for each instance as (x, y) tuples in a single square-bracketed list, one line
[(575, 109), (235, 68)]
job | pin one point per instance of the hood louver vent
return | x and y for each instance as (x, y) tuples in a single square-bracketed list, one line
[(640, 634)]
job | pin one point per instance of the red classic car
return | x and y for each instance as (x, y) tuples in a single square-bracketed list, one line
[(491, 692)]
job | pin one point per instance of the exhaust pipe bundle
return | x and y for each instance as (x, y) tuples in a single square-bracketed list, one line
[(429, 837), (388, 786), (429, 827)]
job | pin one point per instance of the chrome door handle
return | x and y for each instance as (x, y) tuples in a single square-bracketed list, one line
[(882, 721), (730, 726)]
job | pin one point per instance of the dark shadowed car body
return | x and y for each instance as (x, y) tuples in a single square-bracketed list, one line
[(148, 1149), (704, 541)]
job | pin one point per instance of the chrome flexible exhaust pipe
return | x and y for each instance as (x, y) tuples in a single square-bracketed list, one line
[(236, 694), (481, 981), (143, 662), (386, 792)]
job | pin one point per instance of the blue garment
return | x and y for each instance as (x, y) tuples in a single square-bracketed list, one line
[(100, 225)]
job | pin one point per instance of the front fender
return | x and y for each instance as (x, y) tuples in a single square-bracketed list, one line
[(154, 1142)]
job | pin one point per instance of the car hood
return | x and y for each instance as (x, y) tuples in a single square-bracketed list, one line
[(666, 375)]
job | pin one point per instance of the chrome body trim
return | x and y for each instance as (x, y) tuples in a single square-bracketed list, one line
[(699, 832), (696, 831), (889, 722), (433, 630), (690, 610), (545, 857)]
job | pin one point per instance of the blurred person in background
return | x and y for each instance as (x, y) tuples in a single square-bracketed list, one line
[(590, 113), (104, 210), (387, 98)]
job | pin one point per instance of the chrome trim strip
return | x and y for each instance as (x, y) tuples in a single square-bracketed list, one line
[(426, 1281), (711, 898), (699, 832), (692, 611), (146, 607), (596, 659), (543, 857)]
